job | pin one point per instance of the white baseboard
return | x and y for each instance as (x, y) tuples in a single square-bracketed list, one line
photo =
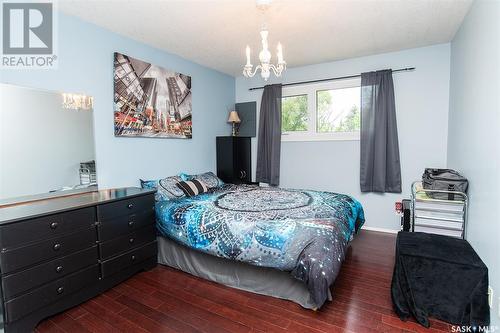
[(389, 231)]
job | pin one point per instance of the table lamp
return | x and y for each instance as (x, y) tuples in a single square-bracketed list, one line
[(234, 119)]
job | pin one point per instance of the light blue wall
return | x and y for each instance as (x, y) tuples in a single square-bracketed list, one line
[(474, 127), (422, 100), (86, 66)]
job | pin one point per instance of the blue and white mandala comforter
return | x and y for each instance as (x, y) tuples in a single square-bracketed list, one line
[(303, 232)]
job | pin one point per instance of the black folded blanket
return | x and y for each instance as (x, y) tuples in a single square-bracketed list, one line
[(441, 277)]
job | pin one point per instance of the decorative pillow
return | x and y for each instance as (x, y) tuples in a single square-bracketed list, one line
[(192, 187), (209, 178), (167, 187), (153, 185), (149, 184), (185, 176)]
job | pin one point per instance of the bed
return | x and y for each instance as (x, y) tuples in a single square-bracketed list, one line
[(279, 242)]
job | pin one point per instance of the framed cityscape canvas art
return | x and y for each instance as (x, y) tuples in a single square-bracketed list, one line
[(150, 101)]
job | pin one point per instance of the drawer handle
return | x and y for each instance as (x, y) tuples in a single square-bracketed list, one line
[(60, 290), (131, 223), (131, 240), (133, 258), (59, 269), (130, 206), (54, 225), (56, 246)]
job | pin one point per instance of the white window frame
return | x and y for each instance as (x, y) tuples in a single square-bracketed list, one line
[(310, 90)]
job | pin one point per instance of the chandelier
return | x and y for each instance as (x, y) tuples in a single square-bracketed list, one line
[(265, 65), (77, 102)]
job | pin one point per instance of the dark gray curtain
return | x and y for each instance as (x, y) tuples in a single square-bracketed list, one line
[(380, 166), (269, 144)]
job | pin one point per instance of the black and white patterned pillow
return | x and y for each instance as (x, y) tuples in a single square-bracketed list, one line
[(192, 187), (209, 178), (167, 187)]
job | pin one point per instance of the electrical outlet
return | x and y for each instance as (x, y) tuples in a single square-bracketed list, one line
[(490, 296)]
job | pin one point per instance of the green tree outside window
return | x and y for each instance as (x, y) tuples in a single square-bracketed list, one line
[(349, 123), (294, 113)]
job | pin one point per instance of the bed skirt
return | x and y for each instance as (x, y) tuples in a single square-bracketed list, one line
[(260, 280)]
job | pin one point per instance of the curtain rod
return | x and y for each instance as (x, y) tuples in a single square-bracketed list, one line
[(333, 78)]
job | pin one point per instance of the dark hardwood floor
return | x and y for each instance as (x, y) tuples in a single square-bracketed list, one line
[(167, 300)]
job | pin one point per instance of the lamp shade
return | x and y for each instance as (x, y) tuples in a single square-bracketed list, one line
[(233, 117)]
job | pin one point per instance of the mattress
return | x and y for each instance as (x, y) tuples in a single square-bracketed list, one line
[(302, 233), (260, 280)]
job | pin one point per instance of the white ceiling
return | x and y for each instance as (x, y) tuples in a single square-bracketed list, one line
[(214, 33)]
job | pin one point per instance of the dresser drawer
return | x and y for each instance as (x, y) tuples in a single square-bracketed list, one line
[(17, 283), (116, 264), (110, 229), (50, 293), (16, 234), (18, 258), (128, 242), (126, 207)]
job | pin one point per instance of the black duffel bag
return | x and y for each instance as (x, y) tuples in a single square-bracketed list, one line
[(444, 180)]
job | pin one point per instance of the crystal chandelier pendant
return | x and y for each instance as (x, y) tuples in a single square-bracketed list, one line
[(265, 56)]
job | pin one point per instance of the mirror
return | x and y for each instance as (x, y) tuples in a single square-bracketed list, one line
[(46, 144)]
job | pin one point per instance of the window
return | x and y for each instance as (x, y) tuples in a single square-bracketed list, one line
[(319, 112), (294, 113)]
